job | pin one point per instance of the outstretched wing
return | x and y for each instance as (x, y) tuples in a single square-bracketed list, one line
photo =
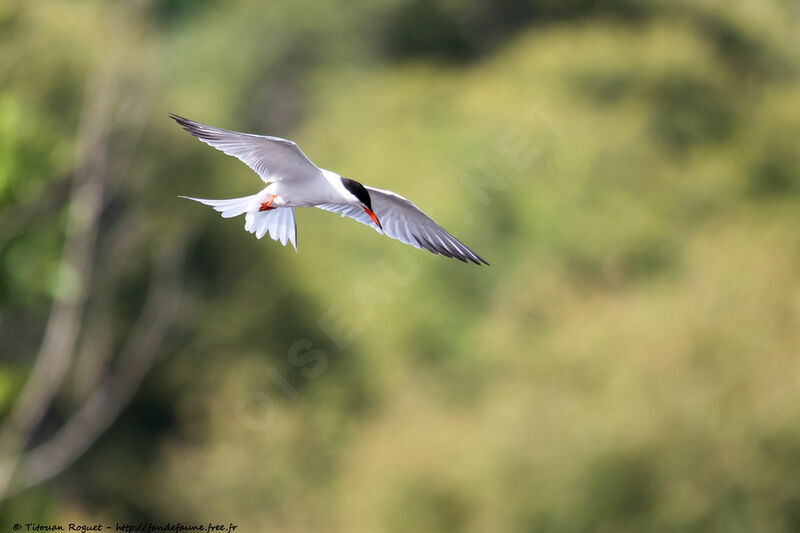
[(273, 158), (404, 221)]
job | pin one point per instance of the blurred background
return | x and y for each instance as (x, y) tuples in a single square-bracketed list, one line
[(629, 362)]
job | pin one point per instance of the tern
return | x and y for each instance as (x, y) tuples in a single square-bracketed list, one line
[(294, 181)]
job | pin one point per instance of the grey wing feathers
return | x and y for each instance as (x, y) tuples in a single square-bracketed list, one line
[(352, 211), (272, 158), (404, 221)]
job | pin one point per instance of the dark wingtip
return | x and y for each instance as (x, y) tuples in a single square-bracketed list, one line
[(195, 128), (478, 260), (184, 122), (474, 258)]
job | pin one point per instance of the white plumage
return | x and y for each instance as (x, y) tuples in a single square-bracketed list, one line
[(294, 181)]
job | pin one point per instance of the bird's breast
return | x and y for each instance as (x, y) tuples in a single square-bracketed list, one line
[(306, 193)]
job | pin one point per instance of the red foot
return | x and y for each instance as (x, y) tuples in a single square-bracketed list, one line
[(267, 206)]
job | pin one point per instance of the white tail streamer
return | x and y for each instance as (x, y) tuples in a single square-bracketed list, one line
[(280, 223)]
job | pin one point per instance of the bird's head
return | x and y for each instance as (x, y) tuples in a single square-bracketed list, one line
[(361, 198)]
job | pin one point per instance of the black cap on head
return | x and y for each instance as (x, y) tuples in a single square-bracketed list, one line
[(357, 190)]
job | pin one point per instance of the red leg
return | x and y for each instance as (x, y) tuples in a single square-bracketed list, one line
[(266, 206)]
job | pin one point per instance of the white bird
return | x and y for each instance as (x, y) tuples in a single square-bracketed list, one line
[(294, 181)]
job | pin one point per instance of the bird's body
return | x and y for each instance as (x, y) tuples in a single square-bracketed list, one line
[(325, 187), (294, 181)]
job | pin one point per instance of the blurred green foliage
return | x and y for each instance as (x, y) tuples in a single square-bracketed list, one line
[(629, 362)]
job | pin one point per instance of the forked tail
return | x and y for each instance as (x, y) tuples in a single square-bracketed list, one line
[(279, 222), (229, 208)]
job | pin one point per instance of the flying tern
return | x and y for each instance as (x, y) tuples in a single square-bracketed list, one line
[(294, 181)]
